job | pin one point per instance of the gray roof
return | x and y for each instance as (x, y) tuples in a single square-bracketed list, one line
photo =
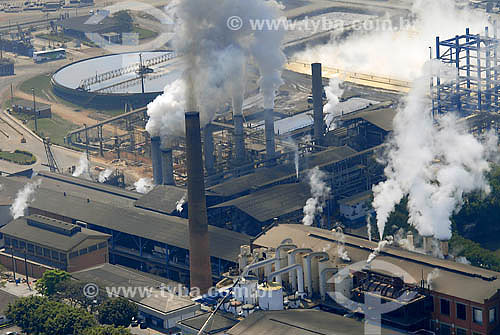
[(29, 104), (224, 244), (381, 118), (271, 202), (267, 176), (453, 277), (300, 322), (20, 229), (220, 322), (5, 299), (162, 199), (88, 24), (357, 198)]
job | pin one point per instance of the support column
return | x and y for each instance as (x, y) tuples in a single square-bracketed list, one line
[(270, 142), (317, 93)]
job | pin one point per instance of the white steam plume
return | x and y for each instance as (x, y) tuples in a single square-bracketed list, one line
[(333, 94), (144, 185), (381, 245), (319, 191), (24, 197), (463, 260), (369, 226), (341, 251), (376, 51), (423, 162), (180, 203), (82, 169), (432, 276), (104, 175), (215, 61)]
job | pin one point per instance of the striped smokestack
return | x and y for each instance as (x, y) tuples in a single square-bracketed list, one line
[(156, 160), (269, 130), (199, 252), (167, 164), (317, 93)]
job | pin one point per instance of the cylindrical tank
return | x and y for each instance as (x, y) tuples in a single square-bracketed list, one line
[(270, 297), (235, 307), (247, 309), (246, 290)]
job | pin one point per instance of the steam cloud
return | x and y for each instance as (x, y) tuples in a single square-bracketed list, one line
[(216, 59), (333, 94), (144, 185), (104, 175), (434, 165), (432, 276), (341, 251), (24, 197), (319, 191), (180, 203), (381, 245), (82, 169)]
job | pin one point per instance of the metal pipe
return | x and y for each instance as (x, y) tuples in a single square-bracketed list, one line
[(199, 250), (156, 160), (239, 139), (270, 141), (208, 149), (284, 246), (308, 271), (299, 275), (317, 93), (256, 266), (167, 164), (291, 261)]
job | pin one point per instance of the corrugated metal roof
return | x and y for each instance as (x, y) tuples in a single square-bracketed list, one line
[(381, 118), (272, 202), (452, 279), (267, 176), (162, 199), (19, 228), (357, 198)]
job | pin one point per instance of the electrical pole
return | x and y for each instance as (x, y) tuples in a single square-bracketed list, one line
[(13, 263), (11, 96), (34, 111)]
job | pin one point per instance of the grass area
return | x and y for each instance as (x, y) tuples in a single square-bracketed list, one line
[(55, 38), (144, 33), (40, 83), (19, 157)]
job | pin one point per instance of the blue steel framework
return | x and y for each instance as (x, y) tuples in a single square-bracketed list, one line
[(476, 88)]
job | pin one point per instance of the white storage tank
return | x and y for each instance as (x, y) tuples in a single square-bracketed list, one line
[(270, 297), (246, 290), (247, 309)]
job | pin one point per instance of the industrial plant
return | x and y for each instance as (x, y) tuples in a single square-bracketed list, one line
[(272, 179)]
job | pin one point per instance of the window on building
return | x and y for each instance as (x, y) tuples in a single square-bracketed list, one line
[(103, 245), (445, 306), (39, 250), (73, 254), (83, 251), (15, 244), (31, 248), (7, 241), (55, 255), (477, 315), (444, 329), (22, 244), (493, 315), (93, 248), (62, 257), (46, 252), (461, 331), (461, 311)]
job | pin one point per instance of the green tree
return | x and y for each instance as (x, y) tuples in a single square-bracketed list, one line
[(22, 313), (118, 312), (72, 291), (48, 284), (107, 330)]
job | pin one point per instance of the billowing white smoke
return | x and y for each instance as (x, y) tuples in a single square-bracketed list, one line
[(319, 191), (462, 259), (374, 52), (82, 169), (424, 162), (24, 197), (144, 185), (341, 251), (333, 94), (180, 203), (381, 245), (432, 276), (104, 175), (215, 61), (369, 226), (401, 239)]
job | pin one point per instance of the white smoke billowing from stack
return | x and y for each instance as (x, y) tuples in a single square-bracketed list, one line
[(433, 164), (381, 245), (341, 251), (104, 175), (144, 185), (180, 203), (82, 169), (333, 94), (462, 259), (24, 197), (215, 61), (432, 276), (369, 226), (319, 191), (374, 52)]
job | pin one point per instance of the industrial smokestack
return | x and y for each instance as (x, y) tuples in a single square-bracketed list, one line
[(269, 130), (427, 243), (239, 139), (317, 93), (208, 148), (199, 252), (156, 160), (167, 164), (444, 248)]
